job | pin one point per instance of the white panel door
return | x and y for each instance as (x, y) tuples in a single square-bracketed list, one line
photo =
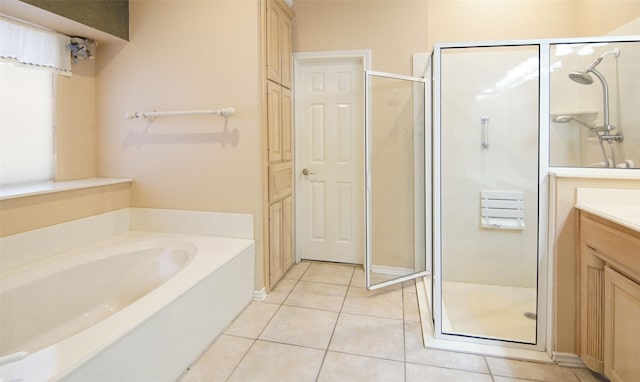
[(330, 103)]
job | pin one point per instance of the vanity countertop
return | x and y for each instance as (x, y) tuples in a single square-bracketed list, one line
[(625, 215), (616, 205)]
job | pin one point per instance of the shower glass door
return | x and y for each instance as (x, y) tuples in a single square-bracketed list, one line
[(486, 165), (395, 167)]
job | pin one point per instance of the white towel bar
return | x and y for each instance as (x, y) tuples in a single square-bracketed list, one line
[(224, 112)]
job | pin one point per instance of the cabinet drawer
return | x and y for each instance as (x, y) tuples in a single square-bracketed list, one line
[(617, 245), (280, 181)]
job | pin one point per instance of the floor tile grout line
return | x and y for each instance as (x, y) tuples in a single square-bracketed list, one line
[(258, 335), (370, 356), (280, 305), (255, 340), (324, 357), (288, 344), (457, 369), (307, 307), (325, 283), (486, 363), (335, 325), (373, 316), (241, 359)]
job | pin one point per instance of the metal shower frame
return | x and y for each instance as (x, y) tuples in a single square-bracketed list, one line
[(545, 298)]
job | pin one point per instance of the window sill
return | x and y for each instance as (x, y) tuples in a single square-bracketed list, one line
[(52, 187)]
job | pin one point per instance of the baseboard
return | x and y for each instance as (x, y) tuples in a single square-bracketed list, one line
[(260, 295), (567, 359)]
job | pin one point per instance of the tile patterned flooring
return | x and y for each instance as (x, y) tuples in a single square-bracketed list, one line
[(320, 324)]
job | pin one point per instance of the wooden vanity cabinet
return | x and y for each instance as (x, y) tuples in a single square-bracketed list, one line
[(622, 327), (609, 298)]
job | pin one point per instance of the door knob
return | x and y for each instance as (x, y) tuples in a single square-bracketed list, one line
[(307, 172)]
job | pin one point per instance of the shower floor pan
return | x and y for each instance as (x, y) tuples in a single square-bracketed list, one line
[(481, 311)]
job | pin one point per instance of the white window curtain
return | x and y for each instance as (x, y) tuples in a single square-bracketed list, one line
[(32, 46), (26, 125)]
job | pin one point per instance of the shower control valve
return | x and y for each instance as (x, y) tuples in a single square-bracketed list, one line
[(615, 137)]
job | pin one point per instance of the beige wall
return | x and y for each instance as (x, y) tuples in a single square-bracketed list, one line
[(185, 55), (393, 30), (565, 252), (482, 20), (76, 123), (362, 24), (600, 17)]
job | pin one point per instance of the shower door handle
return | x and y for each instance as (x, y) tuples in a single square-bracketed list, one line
[(484, 140)]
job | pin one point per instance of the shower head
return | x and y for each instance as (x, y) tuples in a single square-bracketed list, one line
[(583, 78), (586, 79), (562, 119), (569, 118)]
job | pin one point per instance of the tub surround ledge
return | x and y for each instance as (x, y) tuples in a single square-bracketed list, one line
[(12, 192)]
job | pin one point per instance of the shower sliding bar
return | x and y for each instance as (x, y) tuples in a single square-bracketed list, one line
[(224, 112)]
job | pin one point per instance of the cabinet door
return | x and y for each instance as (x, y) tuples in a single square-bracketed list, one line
[(591, 309), (280, 181), (285, 51), (285, 125), (274, 54), (274, 121), (622, 332), (287, 232), (276, 263)]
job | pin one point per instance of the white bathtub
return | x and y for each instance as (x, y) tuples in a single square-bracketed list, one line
[(134, 307)]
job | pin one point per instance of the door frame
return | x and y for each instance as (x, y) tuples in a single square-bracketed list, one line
[(299, 59)]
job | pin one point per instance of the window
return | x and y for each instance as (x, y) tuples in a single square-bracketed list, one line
[(26, 125), (29, 57)]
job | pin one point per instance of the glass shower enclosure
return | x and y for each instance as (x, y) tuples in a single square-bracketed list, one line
[(502, 114)]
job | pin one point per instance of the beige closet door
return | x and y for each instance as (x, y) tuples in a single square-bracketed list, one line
[(330, 173)]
